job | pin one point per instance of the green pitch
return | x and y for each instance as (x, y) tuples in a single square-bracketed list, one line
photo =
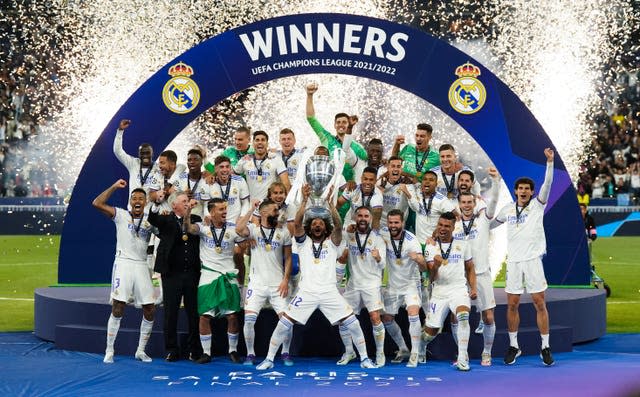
[(30, 262)]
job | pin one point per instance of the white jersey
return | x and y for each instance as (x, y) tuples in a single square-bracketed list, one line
[(132, 237), (365, 272), (158, 181), (393, 198), (452, 180), (260, 174), (427, 215), (291, 162), (139, 177), (403, 271), (357, 198), (267, 264), (199, 188), (525, 234), (218, 258), (450, 276), (476, 232), (234, 192), (317, 275)]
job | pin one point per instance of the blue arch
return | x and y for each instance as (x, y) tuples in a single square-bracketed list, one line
[(420, 63)]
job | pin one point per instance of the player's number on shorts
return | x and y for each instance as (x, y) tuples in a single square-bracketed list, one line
[(296, 301), (249, 292), (116, 283)]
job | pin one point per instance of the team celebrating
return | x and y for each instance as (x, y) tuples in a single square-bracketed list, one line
[(410, 231)]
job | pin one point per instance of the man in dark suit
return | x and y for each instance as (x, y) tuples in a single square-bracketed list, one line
[(178, 262)]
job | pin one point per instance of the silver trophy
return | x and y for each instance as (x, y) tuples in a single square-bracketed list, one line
[(319, 172)]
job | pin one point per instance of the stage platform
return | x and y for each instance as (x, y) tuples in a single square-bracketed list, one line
[(75, 318)]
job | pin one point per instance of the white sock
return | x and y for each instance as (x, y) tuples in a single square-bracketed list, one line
[(233, 342), (145, 333), (414, 332), (393, 329), (286, 343), (283, 328), (513, 339), (353, 325), (205, 341), (113, 325), (378, 336), (488, 333), (345, 335), (454, 332), (250, 332), (545, 341), (463, 334)]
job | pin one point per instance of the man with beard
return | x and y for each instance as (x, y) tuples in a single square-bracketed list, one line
[(418, 158), (474, 228), (178, 262), (364, 195), (193, 182), (234, 153), (449, 170), (405, 260), (364, 248), (268, 280), (142, 170), (526, 244), (318, 243), (454, 285), (290, 156), (342, 124), (393, 196), (260, 169), (130, 273), (218, 291)]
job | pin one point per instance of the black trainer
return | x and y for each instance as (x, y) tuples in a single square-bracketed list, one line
[(511, 355), (204, 359), (546, 357), (235, 357)]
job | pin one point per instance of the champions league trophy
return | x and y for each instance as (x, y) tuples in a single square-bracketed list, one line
[(319, 173)]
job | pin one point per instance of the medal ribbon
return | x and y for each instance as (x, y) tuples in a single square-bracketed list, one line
[(225, 193), (318, 251), (143, 179), (427, 208), (264, 236), (398, 250), (216, 240), (259, 169), (467, 228), (518, 213), (137, 228), (449, 183), (362, 247), (444, 255), (420, 164), (286, 158), (367, 202), (195, 186)]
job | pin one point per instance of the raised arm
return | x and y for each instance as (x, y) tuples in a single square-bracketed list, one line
[(100, 202), (396, 145), (188, 226), (336, 234), (298, 227), (127, 160), (311, 89), (543, 196), (494, 193)]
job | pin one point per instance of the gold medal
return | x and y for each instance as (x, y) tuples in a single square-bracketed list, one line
[(316, 261), (399, 261), (185, 237), (259, 178), (450, 195), (268, 247), (218, 250), (418, 175), (445, 262)]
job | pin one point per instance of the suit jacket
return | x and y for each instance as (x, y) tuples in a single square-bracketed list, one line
[(169, 233)]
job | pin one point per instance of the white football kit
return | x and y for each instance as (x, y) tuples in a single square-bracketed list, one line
[(364, 286), (260, 174)]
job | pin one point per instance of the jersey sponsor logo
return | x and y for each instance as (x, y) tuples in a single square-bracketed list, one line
[(467, 94), (181, 94)]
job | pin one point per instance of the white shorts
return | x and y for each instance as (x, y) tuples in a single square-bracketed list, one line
[(255, 298), (486, 299), (393, 300), (131, 282), (371, 299), (331, 304), (525, 275), (439, 307)]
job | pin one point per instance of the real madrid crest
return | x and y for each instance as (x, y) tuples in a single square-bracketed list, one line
[(181, 94), (467, 94)]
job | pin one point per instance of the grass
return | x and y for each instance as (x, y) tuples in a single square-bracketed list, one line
[(30, 262)]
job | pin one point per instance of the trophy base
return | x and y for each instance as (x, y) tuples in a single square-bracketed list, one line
[(317, 212)]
